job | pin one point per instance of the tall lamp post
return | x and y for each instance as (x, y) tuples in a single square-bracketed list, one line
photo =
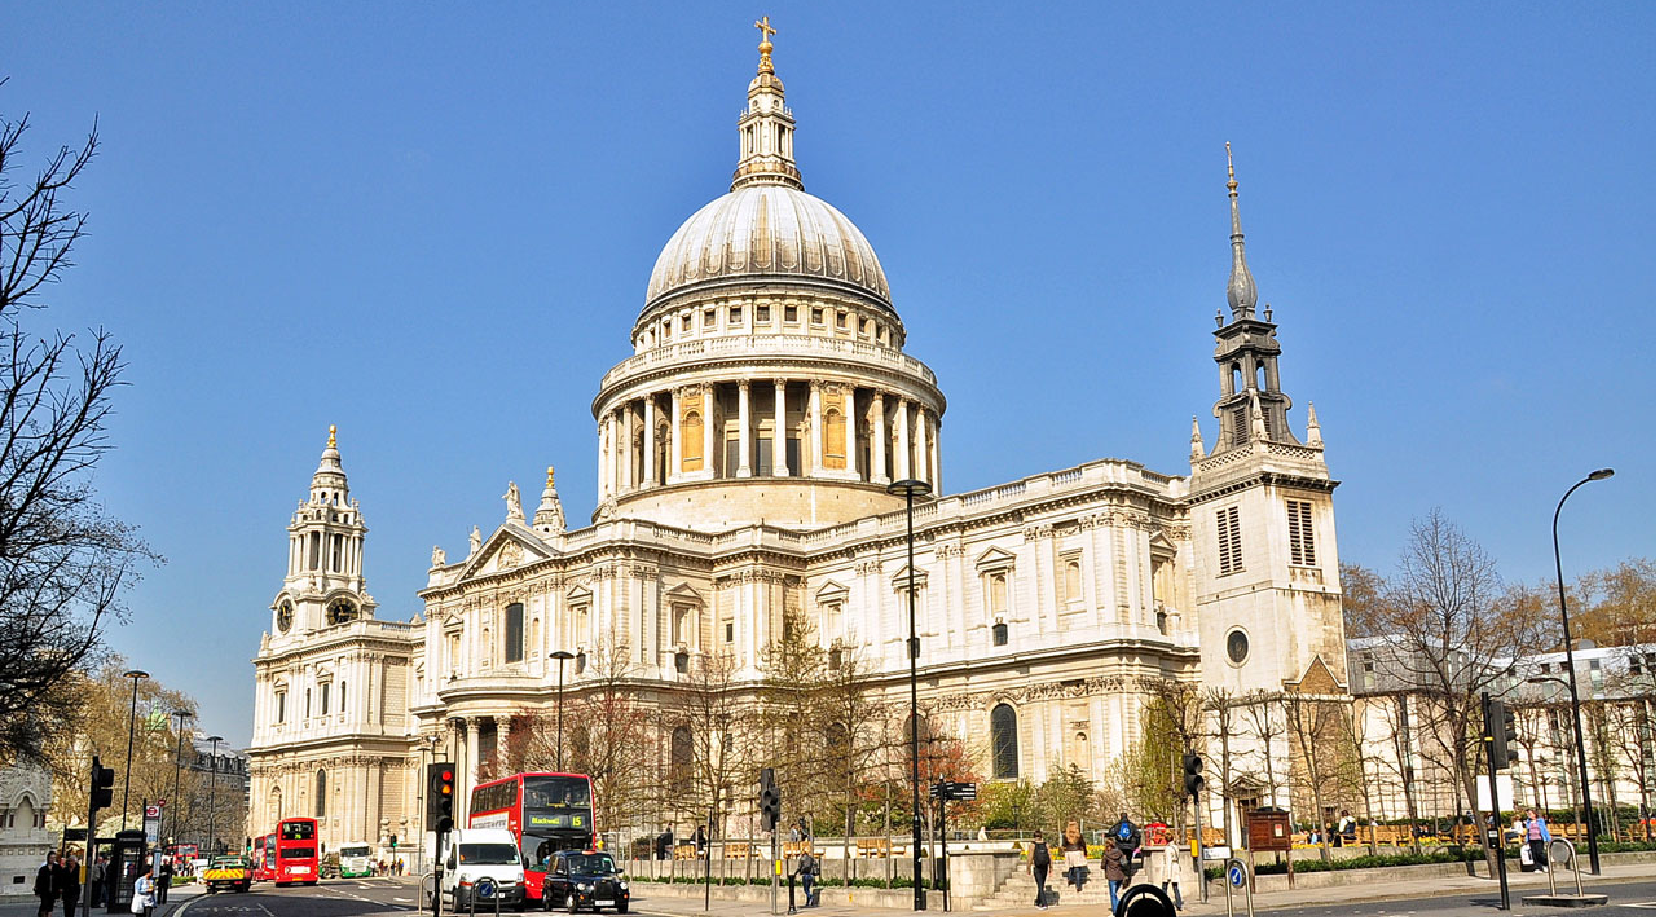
[(1570, 669), (562, 656), (213, 797), (136, 675), (909, 490), (178, 768)]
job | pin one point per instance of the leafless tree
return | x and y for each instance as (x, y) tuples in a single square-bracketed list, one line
[(64, 564)]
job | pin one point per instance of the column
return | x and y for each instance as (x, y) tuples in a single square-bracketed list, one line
[(779, 432), (649, 440), (628, 477), (851, 431), (923, 462), (603, 469), (708, 392), (472, 730), (877, 443), (937, 455), (503, 736), (676, 461), (816, 428), (902, 449), (744, 443)]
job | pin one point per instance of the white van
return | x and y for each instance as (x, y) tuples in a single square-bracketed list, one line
[(476, 858)]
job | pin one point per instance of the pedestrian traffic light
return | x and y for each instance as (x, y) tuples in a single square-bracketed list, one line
[(1193, 774), (440, 796), (1502, 726), (770, 800), (103, 785)]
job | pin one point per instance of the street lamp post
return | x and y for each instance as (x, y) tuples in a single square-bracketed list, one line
[(909, 490), (178, 768), (1570, 669), (136, 675), (1565, 780), (213, 797), (562, 656)]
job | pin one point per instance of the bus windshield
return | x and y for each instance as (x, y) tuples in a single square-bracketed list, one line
[(353, 850), (551, 792), (488, 854)]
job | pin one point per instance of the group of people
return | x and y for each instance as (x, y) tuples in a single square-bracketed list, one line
[(1114, 862), (58, 880)]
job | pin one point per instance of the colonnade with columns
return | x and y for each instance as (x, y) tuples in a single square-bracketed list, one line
[(728, 430)]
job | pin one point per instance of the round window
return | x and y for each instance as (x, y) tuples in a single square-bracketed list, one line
[(1237, 646)]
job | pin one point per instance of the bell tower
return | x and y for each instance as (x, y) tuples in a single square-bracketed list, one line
[(1267, 579), (324, 585)]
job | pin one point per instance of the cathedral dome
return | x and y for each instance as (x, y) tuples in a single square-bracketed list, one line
[(768, 231)]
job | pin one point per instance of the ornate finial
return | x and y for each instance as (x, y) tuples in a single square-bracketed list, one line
[(1240, 290), (549, 476), (1314, 433), (331, 431), (765, 33), (1197, 449)]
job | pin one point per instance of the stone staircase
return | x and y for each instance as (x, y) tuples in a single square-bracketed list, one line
[(1019, 891)]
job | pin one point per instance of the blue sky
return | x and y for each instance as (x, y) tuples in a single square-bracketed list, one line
[(432, 225)]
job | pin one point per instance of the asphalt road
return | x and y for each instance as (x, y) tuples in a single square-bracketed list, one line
[(1627, 898)]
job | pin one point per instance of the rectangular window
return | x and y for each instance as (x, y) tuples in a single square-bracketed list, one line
[(762, 314), (736, 315), (513, 632), (684, 322), (307, 703), (281, 706), (324, 689), (790, 313), (730, 632), (1231, 541), (1070, 578), (733, 456), (816, 316), (996, 588), (342, 697), (762, 456), (1302, 546), (840, 320), (709, 319)]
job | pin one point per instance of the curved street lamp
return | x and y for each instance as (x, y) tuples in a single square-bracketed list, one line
[(562, 656), (213, 797), (136, 675), (909, 490), (1570, 669)]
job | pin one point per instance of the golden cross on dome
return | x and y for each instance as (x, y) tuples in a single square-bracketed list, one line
[(765, 32), (330, 436)]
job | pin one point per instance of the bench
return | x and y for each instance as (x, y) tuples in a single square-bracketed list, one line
[(739, 851)]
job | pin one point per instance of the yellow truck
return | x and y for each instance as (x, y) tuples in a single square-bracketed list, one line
[(230, 872)]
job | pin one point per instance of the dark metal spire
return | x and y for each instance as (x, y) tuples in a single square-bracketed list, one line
[(1240, 291)]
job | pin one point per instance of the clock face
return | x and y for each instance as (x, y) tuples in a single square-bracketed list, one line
[(341, 612), (284, 617), (1237, 646)]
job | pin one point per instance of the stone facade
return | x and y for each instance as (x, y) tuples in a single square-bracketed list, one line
[(25, 797), (744, 453)]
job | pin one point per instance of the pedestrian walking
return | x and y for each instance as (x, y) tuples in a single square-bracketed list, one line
[(1075, 856), (46, 883), (1170, 881), (164, 884), (143, 893), (67, 883), (1537, 838), (96, 880), (808, 870), (701, 839), (1114, 873), (1040, 861)]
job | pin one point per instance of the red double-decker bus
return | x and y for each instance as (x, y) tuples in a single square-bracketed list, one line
[(264, 858), (295, 842), (546, 812)]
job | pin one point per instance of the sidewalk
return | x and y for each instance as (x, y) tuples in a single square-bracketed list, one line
[(29, 906), (691, 906)]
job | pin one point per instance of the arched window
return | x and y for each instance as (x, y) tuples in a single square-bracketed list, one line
[(321, 793), (1003, 742), (683, 756), (513, 633)]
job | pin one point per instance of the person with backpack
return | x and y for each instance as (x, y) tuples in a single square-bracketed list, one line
[(1041, 859), (1115, 875), (808, 870)]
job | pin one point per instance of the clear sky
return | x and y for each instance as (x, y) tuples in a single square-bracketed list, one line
[(432, 225)]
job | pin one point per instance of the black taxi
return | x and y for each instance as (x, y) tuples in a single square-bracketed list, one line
[(584, 879)]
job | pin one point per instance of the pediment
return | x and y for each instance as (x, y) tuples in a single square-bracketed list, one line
[(683, 594), (509, 548), (995, 559), (1318, 680), (900, 580), (1160, 546), (579, 595), (832, 593)]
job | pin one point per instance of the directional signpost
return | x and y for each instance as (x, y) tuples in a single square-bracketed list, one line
[(1237, 876)]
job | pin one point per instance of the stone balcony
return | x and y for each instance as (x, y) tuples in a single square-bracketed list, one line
[(759, 346)]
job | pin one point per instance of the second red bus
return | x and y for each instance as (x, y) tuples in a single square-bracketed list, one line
[(296, 860)]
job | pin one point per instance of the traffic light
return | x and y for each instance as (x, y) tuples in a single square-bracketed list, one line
[(440, 796), (103, 786), (1193, 774), (1502, 726), (770, 800)]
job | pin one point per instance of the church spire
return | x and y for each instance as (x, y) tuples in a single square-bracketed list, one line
[(1240, 291), (549, 516), (328, 485), (766, 128)]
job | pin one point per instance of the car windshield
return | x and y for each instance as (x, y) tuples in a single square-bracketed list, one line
[(592, 864), (488, 854)]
